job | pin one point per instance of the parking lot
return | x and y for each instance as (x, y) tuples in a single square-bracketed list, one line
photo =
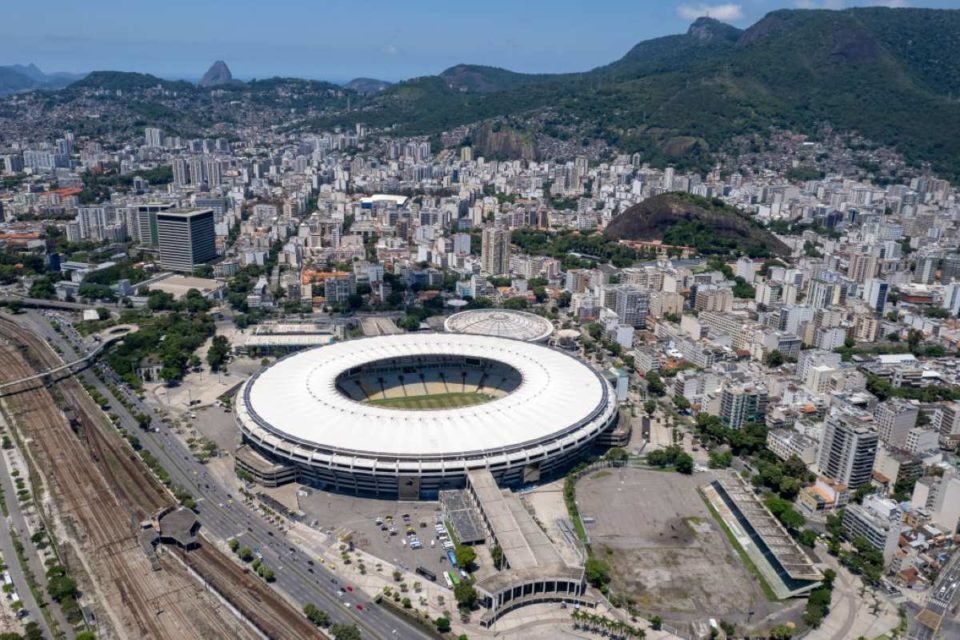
[(357, 517), (664, 548)]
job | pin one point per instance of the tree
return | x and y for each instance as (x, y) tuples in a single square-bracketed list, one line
[(656, 622), (597, 572), (650, 407), (681, 402), (655, 384), (617, 455), (443, 625), (774, 359), (61, 586), (914, 336), (42, 288), (720, 459), (807, 538), (219, 350), (345, 632), (466, 556), (496, 553), (316, 616), (684, 463), (781, 632), (465, 595)]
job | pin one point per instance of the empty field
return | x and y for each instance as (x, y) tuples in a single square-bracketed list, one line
[(665, 550), (433, 401)]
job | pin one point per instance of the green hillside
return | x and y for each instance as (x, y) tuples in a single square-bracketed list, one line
[(887, 73)]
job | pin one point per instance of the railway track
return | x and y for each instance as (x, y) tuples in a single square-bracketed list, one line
[(263, 607), (101, 489)]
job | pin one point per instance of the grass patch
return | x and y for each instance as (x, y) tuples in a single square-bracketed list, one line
[(747, 562), (600, 475), (433, 401)]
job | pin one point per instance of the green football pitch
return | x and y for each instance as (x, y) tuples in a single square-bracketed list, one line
[(433, 401)]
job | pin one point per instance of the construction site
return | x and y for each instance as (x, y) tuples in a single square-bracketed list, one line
[(95, 493)]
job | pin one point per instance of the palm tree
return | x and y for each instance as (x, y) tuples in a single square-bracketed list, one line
[(575, 615)]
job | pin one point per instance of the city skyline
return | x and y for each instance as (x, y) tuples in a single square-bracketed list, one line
[(328, 42)]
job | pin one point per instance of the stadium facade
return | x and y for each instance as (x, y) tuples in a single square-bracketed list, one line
[(405, 416)]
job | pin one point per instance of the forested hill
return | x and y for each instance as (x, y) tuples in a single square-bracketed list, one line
[(686, 220), (890, 74)]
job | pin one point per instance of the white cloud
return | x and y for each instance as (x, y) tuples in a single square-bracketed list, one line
[(723, 12)]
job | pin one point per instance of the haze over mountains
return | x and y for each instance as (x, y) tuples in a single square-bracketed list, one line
[(18, 77), (889, 74)]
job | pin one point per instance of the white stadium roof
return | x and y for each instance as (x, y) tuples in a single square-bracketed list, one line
[(297, 399), (504, 323)]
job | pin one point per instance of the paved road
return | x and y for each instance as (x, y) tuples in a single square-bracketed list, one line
[(16, 522), (222, 516), (941, 597)]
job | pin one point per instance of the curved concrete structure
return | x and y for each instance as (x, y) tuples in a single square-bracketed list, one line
[(323, 412)]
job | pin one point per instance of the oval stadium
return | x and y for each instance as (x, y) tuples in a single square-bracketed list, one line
[(504, 323), (405, 416)]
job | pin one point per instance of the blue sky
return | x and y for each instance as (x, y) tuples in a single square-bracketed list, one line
[(341, 39)]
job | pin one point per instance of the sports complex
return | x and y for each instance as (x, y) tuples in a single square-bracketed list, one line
[(405, 416)]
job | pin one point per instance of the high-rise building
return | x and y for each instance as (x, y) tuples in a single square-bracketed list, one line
[(153, 137), (877, 520), (743, 404), (632, 305), (848, 449), (197, 175), (946, 422), (495, 251), (213, 172), (186, 238), (181, 172), (894, 419), (875, 293), (145, 231)]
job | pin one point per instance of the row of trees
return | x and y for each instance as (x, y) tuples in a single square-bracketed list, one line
[(673, 456), (596, 623)]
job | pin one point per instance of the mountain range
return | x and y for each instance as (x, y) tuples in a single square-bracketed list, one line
[(887, 74), (17, 77)]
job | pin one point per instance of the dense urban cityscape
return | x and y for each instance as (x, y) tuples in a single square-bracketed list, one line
[(280, 359)]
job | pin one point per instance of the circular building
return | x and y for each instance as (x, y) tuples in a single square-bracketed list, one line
[(502, 323), (404, 416)]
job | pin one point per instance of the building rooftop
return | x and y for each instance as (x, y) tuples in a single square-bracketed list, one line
[(503, 323)]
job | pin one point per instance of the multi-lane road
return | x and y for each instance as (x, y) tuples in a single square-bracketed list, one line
[(222, 515), (939, 601)]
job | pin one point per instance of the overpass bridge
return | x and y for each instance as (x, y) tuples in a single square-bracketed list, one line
[(41, 303), (104, 338)]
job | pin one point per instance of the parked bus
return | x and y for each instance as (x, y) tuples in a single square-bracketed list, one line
[(426, 573)]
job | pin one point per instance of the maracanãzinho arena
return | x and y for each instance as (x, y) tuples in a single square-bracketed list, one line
[(404, 416)]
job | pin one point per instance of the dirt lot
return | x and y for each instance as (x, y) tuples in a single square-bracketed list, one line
[(663, 547)]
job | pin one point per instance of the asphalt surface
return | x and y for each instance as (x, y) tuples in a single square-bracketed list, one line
[(222, 515), (941, 597)]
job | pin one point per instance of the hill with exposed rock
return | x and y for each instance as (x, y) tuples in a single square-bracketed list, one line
[(709, 225)]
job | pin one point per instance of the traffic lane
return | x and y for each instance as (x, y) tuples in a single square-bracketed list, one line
[(305, 587)]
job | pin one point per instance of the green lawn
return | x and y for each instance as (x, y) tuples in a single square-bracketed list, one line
[(434, 401)]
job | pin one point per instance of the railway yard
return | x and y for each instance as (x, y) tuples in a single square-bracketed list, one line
[(97, 492)]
